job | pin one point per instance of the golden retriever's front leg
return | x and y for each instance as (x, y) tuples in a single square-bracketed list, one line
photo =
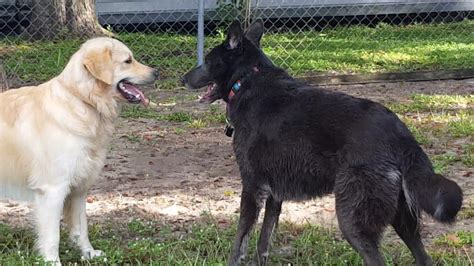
[(49, 203), (76, 219)]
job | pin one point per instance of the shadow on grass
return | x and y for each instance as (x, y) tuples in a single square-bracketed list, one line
[(207, 241), (358, 49)]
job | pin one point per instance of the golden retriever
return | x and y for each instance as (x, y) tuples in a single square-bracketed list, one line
[(53, 137)]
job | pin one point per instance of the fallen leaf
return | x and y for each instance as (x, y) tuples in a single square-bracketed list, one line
[(453, 238), (228, 193)]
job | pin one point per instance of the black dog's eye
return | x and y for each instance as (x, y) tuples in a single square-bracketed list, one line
[(128, 61)]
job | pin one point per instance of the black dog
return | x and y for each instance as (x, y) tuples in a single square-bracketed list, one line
[(295, 142)]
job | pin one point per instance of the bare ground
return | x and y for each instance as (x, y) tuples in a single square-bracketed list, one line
[(153, 172)]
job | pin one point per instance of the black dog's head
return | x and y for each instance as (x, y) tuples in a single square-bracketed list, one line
[(227, 62)]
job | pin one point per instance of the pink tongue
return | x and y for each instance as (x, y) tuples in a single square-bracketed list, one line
[(207, 95), (136, 92)]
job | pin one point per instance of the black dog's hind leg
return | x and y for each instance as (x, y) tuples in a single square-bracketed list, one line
[(406, 225), (250, 205), (270, 223), (366, 201), (364, 240)]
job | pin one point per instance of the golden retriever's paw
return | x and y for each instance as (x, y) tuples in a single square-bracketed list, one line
[(92, 253), (53, 262)]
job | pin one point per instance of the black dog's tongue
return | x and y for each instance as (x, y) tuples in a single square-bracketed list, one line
[(207, 96)]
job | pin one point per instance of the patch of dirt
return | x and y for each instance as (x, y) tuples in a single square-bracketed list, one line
[(153, 172)]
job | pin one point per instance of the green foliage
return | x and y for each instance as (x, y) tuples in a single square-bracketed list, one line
[(434, 103), (457, 240), (359, 49), (442, 161), (145, 242)]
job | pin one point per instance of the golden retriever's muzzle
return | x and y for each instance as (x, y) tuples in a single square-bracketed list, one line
[(101, 66), (129, 90)]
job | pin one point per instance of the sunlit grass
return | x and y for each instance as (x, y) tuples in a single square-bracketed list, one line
[(417, 131), (442, 161), (457, 240), (194, 120), (359, 49), (462, 126), (146, 242), (437, 103), (467, 210), (439, 121)]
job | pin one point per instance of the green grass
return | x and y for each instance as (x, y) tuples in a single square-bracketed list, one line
[(443, 122), (433, 119), (418, 132), (381, 49), (457, 240), (179, 131), (136, 111), (199, 123), (467, 210), (463, 126), (145, 242), (433, 103), (468, 155), (194, 120), (358, 49), (436, 117), (177, 117), (132, 138), (215, 115), (442, 161)]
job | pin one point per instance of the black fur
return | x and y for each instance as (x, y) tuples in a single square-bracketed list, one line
[(294, 142)]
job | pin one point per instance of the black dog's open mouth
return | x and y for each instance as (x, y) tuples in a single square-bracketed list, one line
[(210, 95), (131, 92)]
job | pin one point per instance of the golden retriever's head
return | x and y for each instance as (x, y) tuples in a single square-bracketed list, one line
[(113, 70)]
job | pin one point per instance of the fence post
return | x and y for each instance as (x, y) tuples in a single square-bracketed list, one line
[(3, 79), (200, 32)]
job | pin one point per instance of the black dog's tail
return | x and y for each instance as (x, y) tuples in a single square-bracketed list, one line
[(433, 193)]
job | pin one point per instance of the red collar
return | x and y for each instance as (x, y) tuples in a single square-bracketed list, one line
[(229, 129)]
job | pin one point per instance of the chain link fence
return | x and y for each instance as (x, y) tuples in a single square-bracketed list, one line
[(307, 37)]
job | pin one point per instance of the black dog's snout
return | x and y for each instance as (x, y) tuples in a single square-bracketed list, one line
[(183, 81)]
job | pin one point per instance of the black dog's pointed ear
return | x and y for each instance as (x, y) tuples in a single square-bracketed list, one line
[(254, 32), (234, 35)]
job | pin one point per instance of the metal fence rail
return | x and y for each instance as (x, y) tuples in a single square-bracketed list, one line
[(305, 36)]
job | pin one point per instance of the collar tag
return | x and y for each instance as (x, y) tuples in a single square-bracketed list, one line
[(236, 86)]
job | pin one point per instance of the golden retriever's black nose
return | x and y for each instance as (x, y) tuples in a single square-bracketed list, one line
[(156, 73)]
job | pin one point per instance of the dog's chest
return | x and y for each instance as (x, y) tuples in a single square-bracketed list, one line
[(90, 164), (80, 158)]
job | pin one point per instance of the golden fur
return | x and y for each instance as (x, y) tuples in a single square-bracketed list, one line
[(54, 136)]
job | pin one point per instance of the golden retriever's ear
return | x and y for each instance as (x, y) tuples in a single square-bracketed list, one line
[(99, 64)]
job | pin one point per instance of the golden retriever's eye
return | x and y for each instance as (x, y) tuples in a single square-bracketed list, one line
[(128, 61)]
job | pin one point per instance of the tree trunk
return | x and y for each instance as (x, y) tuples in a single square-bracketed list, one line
[(4, 84), (55, 18), (82, 18)]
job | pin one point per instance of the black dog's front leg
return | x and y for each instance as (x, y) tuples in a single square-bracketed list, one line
[(250, 205)]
